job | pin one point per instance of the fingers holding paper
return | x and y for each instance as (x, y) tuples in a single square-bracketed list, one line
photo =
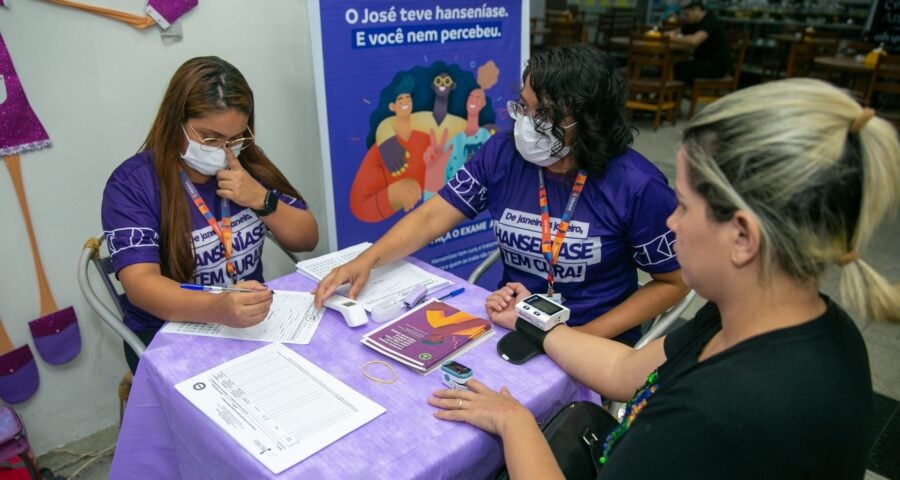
[(244, 309), (480, 406)]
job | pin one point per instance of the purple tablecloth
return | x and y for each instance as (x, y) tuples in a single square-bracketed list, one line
[(164, 436)]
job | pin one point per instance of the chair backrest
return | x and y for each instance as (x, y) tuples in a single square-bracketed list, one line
[(649, 58), (104, 281), (566, 27), (885, 78), (800, 60), (615, 22), (738, 40), (90, 256)]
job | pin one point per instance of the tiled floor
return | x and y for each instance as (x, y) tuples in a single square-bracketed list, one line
[(883, 342)]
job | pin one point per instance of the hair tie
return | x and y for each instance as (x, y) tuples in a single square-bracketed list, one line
[(847, 258), (376, 379), (861, 120)]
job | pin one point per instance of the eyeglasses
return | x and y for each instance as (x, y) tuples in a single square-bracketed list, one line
[(210, 144), (442, 81), (518, 109)]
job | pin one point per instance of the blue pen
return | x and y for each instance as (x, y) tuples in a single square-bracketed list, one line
[(453, 293), (211, 288)]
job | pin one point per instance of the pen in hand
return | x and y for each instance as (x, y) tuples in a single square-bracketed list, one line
[(212, 288)]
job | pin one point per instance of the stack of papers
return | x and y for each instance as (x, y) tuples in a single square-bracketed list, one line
[(386, 284), (292, 318), (277, 405)]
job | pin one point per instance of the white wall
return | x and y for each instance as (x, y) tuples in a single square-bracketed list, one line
[(96, 84)]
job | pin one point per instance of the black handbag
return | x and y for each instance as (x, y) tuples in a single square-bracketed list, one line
[(576, 434)]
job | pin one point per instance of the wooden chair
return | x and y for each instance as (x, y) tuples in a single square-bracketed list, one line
[(800, 60), (649, 76), (615, 22), (566, 28), (884, 89), (709, 89)]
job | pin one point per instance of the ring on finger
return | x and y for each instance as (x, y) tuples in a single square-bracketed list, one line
[(459, 405)]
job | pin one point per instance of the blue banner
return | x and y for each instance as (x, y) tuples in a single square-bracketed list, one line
[(412, 89)]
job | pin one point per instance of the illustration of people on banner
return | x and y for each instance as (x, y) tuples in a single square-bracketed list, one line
[(428, 122)]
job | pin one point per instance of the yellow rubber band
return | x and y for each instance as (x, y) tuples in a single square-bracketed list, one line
[(376, 379)]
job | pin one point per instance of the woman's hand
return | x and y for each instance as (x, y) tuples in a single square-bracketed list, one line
[(235, 184), (501, 305), (355, 272), (481, 407), (241, 309)]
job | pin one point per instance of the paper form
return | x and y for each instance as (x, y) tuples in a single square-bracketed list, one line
[(389, 283), (277, 405), (292, 318)]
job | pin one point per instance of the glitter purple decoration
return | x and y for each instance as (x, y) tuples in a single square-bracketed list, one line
[(166, 12), (20, 129)]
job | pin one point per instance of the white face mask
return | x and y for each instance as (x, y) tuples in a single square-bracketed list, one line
[(536, 147), (204, 161)]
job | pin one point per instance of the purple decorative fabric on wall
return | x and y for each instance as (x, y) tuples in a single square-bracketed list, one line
[(20, 129), (56, 336), (18, 375)]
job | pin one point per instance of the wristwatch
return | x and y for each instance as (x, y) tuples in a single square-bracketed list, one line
[(269, 204)]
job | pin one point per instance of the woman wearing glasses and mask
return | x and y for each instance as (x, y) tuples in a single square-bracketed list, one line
[(567, 164), (777, 184), (194, 204)]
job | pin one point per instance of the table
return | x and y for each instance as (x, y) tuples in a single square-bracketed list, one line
[(164, 436), (794, 38), (860, 72), (844, 64), (675, 46)]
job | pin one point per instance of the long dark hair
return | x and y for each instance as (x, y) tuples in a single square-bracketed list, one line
[(200, 86), (583, 82)]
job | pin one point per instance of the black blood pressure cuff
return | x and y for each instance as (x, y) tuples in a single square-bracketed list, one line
[(519, 346)]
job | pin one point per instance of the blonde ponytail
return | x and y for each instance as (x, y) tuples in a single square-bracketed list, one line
[(817, 171)]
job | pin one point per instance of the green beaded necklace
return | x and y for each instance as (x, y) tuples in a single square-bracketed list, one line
[(641, 396)]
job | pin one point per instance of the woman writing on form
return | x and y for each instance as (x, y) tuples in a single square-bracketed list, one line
[(570, 142), (776, 183), (194, 205)]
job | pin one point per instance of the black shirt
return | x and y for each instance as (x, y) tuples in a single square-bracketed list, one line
[(794, 403), (715, 48)]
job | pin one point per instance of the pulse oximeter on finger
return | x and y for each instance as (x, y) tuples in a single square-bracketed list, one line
[(542, 312), (455, 375)]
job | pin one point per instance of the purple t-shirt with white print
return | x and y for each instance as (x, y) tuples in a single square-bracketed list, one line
[(131, 227), (619, 224)]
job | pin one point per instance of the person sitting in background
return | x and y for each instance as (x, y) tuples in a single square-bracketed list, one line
[(569, 147), (775, 184), (194, 205), (712, 54)]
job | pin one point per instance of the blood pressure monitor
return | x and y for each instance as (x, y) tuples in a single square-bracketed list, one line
[(542, 312)]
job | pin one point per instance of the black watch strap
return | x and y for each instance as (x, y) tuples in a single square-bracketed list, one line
[(269, 205)]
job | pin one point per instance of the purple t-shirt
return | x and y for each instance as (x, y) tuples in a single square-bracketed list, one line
[(131, 227), (619, 224)]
